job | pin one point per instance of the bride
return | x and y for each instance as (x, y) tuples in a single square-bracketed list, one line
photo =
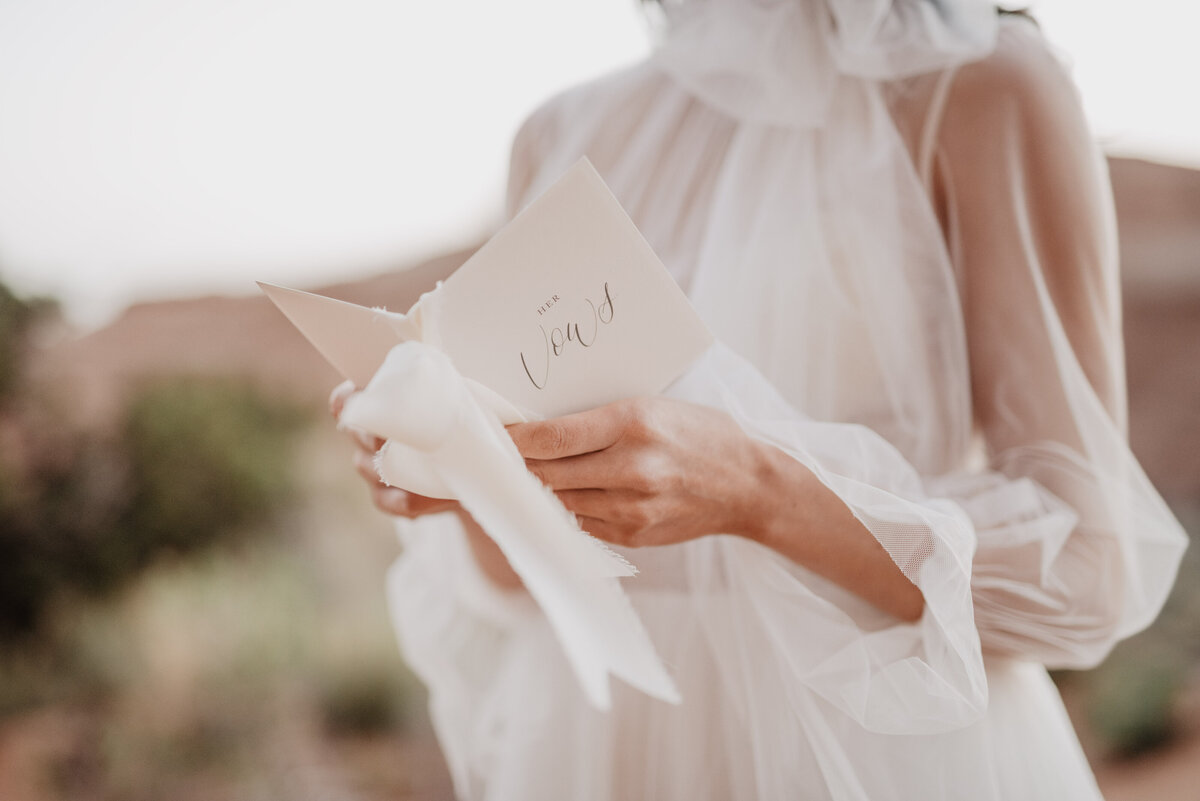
[(899, 489)]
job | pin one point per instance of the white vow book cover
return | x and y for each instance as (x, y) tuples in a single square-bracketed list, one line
[(565, 309)]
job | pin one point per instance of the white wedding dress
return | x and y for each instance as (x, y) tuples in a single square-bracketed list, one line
[(910, 264)]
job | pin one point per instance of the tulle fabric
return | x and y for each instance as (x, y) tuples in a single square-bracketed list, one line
[(917, 299), (778, 61)]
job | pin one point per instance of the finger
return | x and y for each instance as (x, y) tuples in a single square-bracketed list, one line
[(572, 435), (594, 503), (337, 398), (421, 505), (365, 441), (604, 530), (589, 471), (401, 503), (364, 464), (622, 513), (390, 500)]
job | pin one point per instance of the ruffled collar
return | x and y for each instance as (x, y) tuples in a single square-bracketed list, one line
[(777, 61)]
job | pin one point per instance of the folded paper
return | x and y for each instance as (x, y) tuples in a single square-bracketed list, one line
[(565, 309)]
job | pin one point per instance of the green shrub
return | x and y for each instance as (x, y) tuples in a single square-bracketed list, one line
[(363, 699), (1131, 700), (205, 460), (196, 462), (17, 318)]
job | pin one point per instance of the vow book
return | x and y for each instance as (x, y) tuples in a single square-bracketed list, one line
[(566, 308)]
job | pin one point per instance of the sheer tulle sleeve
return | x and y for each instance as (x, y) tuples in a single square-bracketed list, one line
[(1075, 549), (812, 639)]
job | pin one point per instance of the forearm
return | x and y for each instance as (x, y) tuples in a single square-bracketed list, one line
[(793, 513)]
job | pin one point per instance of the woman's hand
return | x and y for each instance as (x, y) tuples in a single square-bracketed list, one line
[(649, 471), (656, 471), (391, 500)]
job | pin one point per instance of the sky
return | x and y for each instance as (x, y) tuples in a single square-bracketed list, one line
[(156, 148)]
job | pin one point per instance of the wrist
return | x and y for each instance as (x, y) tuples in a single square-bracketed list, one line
[(773, 502), (798, 516)]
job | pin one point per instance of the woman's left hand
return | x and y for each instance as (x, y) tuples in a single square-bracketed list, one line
[(648, 471), (657, 471)]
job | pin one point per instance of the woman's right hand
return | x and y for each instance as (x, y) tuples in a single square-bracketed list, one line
[(390, 500)]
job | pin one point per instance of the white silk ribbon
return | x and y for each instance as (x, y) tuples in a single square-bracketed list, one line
[(445, 438)]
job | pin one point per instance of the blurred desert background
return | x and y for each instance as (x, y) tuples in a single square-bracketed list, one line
[(191, 574)]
